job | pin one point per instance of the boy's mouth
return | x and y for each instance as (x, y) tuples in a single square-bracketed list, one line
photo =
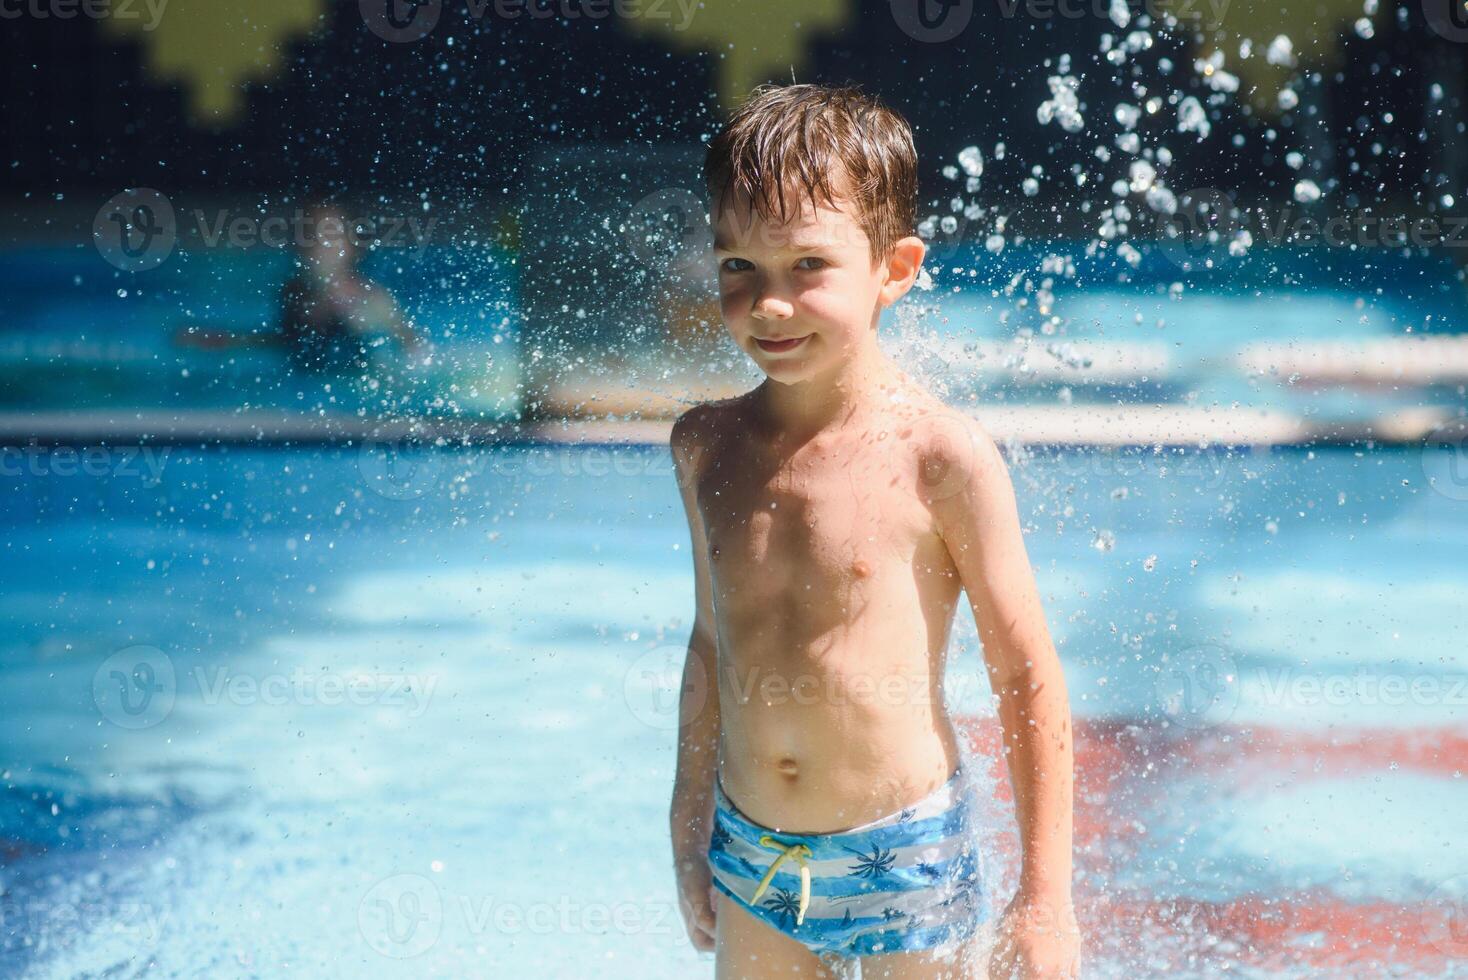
[(776, 346)]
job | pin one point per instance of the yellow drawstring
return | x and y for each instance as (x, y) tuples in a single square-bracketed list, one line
[(797, 851)]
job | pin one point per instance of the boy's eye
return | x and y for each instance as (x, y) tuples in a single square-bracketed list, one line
[(815, 263), (737, 265)]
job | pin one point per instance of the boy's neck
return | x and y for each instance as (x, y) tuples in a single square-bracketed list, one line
[(831, 400)]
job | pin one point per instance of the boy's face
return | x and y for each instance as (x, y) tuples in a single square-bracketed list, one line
[(810, 281)]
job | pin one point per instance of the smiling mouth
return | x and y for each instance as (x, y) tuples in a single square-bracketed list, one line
[(776, 346)]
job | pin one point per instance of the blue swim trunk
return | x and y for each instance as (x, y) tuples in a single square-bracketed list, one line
[(909, 881)]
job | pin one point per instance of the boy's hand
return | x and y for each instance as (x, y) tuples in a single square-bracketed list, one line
[(696, 899), (1036, 940)]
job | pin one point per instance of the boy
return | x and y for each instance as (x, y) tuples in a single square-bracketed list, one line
[(820, 815)]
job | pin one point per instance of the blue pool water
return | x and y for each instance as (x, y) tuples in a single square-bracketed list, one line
[(491, 800)]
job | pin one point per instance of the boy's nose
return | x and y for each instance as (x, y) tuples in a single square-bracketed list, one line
[(769, 307)]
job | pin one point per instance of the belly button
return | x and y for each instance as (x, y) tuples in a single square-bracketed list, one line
[(788, 767)]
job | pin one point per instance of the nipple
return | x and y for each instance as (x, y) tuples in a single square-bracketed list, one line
[(861, 568)]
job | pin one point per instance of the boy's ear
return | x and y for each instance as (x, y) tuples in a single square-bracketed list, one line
[(903, 264)]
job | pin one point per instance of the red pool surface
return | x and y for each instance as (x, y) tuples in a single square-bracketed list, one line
[(1123, 770)]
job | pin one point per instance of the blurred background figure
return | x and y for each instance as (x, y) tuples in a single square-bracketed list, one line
[(330, 312)]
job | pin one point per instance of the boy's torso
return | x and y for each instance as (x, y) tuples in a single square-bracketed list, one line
[(833, 595)]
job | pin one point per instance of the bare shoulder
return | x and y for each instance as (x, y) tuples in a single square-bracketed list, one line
[(699, 431), (953, 451), (963, 441)]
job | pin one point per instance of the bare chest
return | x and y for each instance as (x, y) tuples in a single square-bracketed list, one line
[(813, 527)]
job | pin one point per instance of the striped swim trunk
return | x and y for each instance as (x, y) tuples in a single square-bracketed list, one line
[(909, 881)]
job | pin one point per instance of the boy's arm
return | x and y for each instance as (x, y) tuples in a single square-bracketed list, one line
[(973, 499), (691, 812), (397, 322), (381, 311)]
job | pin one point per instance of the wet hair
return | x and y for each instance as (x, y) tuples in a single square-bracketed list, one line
[(786, 142)]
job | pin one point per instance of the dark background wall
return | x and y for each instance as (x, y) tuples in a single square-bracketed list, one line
[(459, 110)]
